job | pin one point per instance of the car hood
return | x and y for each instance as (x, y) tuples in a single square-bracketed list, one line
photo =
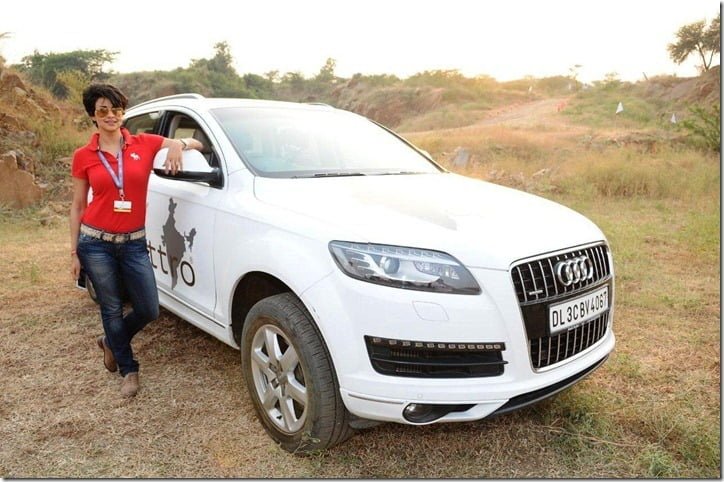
[(480, 223)]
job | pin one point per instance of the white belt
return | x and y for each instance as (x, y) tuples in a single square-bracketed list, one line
[(112, 237)]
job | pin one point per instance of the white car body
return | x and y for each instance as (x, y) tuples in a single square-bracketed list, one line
[(281, 228)]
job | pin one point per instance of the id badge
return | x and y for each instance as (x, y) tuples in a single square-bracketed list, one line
[(122, 206)]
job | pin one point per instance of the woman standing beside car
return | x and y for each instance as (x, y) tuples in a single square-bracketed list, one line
[(107, 235)]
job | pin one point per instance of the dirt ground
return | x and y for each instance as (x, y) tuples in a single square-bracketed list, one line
[(61, 414)]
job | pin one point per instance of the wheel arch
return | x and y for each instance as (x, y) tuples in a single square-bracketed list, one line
[(251, 288)]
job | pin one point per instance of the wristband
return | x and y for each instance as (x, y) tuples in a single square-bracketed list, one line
[(186, 146)]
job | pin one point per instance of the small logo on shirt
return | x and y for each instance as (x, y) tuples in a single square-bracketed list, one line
[(135, 156)]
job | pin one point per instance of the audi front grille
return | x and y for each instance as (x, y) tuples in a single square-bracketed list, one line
[(541, 281)]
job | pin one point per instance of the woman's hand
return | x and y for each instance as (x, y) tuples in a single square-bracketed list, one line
[(77, 208), (75, 267), (174, 157)]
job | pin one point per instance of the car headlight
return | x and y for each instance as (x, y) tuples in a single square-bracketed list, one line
[(401, 267)]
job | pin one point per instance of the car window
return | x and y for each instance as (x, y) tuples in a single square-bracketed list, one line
[(182, 126), (278, 142), (142, 124)]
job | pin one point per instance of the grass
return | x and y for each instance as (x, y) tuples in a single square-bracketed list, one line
[(444, 117), (597, 107), (652, 411)]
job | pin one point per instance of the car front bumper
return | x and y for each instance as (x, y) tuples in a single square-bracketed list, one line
[(346, 310)]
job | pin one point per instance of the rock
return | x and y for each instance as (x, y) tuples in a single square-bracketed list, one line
[(462, 156), (23, 162), (9, 80), (17, 187), (36, 106)]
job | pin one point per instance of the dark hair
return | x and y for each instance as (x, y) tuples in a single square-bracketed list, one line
[(100, 91)]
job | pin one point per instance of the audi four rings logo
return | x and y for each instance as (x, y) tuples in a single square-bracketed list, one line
[(574, 270)]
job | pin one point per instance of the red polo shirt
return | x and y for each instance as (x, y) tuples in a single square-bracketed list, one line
[(138, 153)]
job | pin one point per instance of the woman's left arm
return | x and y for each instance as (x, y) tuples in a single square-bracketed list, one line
[(175, 147)]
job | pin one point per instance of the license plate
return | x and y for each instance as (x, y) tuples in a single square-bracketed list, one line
[(566, 315)]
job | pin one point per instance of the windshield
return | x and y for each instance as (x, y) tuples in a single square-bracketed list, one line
[(285, 142)]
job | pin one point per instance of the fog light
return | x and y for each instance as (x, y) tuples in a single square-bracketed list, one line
[(426, 412), (419, 413)]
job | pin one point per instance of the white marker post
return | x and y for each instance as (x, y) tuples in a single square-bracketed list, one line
[(619, 109), (673, 118)]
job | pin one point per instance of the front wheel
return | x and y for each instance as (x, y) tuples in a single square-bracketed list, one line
[(290, 377)]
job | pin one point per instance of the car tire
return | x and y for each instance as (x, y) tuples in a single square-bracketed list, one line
[(290, 376)]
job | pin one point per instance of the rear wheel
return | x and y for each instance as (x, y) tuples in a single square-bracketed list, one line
[(290, 377)]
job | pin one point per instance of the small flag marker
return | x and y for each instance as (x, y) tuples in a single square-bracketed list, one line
[(619, 109), (673, 118)]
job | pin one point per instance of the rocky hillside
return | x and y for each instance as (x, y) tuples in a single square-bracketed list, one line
[(703, 90), (37, 134)]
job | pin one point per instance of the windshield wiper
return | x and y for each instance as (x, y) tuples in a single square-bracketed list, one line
[(337, 174), (395, 173)]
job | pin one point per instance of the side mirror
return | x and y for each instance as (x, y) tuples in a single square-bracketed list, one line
[(195, 168)]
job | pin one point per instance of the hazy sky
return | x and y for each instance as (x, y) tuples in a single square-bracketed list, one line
[(504, 39)]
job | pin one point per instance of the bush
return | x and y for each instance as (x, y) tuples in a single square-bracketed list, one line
[(704, 126)]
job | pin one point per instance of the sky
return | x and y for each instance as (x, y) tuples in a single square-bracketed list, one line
[(507, 40)]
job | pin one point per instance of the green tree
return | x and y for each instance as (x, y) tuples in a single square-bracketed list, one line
[(437, 78), (697, 38), (74, 82), (220, 63), (326, 73), (294, 79), (258, 86), (43, 69), (216, 76), (272, 76)]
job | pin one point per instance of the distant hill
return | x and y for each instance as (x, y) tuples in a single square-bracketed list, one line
[(38, 132), (428, 100)]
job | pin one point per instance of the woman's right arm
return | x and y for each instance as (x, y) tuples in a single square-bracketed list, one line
[(77, 208)]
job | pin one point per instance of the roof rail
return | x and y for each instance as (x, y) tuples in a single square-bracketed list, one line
[(188, 95)]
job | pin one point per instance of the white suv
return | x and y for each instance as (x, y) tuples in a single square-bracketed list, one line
[(361, 281)]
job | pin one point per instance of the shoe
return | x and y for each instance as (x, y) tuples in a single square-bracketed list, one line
[(109, 361), (129, 387)]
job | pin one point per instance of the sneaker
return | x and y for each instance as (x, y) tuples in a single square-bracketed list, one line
[(109, 361), (130, 385)]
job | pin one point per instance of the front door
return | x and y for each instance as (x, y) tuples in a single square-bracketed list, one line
[(180, 222)]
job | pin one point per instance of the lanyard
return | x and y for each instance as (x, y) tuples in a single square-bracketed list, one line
[(117, 180)]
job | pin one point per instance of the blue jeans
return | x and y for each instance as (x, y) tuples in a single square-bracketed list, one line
[(111, 267)]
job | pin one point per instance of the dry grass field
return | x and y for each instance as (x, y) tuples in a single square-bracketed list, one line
[(653, 410)]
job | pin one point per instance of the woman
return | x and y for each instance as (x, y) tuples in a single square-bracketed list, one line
[(107, 235)]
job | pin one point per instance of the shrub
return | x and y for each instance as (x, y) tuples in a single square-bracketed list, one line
[(704, 126)]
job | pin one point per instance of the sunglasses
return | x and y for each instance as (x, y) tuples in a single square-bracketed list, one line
[(103, 111)]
